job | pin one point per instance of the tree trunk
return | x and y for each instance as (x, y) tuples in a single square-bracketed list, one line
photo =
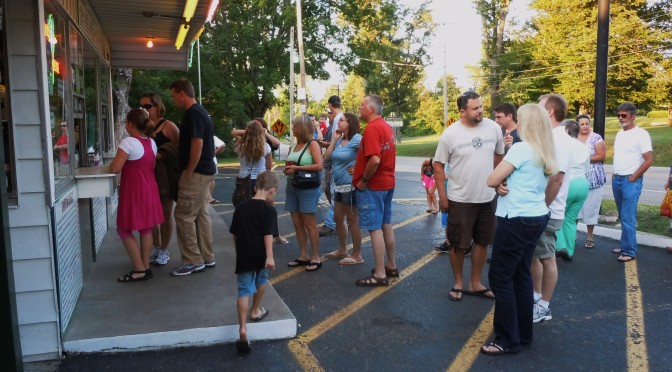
[(121, 86)]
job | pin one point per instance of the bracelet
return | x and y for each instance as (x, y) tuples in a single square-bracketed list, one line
[(365, 180)]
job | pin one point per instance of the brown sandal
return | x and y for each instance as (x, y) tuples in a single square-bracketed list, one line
[(372, 281), (390, 273)]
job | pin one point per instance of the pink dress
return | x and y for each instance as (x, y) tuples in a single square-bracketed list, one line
[(139, 203)]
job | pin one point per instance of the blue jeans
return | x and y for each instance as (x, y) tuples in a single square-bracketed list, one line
[(329, 220), (510, 278), (626, 196)]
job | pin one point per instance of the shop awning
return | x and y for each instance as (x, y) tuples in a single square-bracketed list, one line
[(129, 24)]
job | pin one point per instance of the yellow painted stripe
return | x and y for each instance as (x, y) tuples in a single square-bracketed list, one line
[(299, 346), (467, 356), (638, 357), (288, 274)]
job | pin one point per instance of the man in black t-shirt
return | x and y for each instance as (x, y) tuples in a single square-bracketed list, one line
[(192, 221), (254, 223)]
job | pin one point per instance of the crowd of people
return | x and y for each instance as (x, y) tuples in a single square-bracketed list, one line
[(518, 184)]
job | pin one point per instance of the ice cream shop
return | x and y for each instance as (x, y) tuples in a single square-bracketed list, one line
[(57, 59)]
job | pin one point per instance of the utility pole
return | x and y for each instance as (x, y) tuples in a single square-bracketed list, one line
[(601, 66), (291, 86), (198, 57), (445, 88), (302, 68)]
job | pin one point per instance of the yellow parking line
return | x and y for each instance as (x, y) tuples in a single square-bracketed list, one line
[(299, 346), (638, 357), (297, 270), (467, 356)]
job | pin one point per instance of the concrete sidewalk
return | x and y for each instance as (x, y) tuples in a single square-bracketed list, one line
[(165, 311)]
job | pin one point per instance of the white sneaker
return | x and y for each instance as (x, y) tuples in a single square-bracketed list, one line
[(154, 255), (541, 313), (163, 257)]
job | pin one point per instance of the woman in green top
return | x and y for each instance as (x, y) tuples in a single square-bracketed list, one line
[(302, 203)]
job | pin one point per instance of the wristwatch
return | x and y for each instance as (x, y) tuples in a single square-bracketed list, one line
[(365, 180)]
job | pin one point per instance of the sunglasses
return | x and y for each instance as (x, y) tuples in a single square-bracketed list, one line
[(622, 116), (147, 106)]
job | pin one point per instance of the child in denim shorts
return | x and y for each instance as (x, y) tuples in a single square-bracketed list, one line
[(253, 225)]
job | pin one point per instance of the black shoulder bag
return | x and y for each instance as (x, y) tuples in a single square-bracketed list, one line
[(305, 179)]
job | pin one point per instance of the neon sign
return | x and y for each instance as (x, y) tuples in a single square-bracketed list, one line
[(50, 35)]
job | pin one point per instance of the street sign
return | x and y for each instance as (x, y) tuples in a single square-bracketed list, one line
[(394, 121), (279, 127)]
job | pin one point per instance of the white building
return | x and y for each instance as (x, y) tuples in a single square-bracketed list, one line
[(56, 111)]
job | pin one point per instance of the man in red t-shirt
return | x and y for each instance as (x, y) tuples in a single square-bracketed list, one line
[(373, 178)]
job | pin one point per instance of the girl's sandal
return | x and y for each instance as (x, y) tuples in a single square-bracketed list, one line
[(130, 278)]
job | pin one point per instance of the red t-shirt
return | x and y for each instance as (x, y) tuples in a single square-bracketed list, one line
[(378, 139), (323, 128)]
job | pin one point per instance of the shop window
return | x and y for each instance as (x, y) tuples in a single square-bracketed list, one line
[(57, 87)]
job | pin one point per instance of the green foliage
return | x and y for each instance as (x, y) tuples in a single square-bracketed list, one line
[(648, 218)]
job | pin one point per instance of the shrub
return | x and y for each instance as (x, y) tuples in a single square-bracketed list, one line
[(660, 114)]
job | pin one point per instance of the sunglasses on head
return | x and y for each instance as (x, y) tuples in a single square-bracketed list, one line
[(622, 116), (147, 106)]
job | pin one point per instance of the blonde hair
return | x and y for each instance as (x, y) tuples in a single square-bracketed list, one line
[(534, 128), (304, 128)]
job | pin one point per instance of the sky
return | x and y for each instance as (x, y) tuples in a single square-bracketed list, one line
[(458, 31)]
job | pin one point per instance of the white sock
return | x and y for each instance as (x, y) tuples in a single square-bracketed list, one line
[(543, 303), (537, 296)]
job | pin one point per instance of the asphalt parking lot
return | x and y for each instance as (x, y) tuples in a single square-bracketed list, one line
[(606, 315)]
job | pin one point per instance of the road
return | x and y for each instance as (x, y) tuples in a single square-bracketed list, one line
[(606, 315)]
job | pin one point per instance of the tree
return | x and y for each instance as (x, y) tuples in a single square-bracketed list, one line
[(353, 93), (388, 45), (493, 17)]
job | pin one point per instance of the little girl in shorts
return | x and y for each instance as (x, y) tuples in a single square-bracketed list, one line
[(139, 203)]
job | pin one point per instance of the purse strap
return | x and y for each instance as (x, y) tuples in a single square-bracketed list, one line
[(298, 162)]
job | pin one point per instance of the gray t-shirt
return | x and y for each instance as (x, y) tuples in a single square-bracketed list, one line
[(469, 152)]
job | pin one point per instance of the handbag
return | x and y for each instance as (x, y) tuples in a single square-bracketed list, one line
[(243, 190), (305, 179), (666, 206)]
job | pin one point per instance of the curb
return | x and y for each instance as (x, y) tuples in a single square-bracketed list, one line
[(643, 238)]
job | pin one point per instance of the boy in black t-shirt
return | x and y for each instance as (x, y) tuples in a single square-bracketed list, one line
[(253, 225)]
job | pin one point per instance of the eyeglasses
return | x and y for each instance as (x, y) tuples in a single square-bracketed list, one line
[(147, 106), (622, 116)]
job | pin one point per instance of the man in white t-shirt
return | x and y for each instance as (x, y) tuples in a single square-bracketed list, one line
[(471, 147), (633, 155), (544, 268)]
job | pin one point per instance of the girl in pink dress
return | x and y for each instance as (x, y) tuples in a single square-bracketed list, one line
[(139, 203)]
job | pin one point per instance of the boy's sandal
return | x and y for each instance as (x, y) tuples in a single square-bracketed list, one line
[(298, 262), (372, 281), (261, 316), (130, 278), (589, 243)]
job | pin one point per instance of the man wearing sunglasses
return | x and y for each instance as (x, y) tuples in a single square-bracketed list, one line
[(633, 155)]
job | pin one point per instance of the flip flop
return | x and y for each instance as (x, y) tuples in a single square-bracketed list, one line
[(243, 346), (455, 298), (625, 258), (498, 350), (589, 243), (261, 316), (350, 261), (335, 255), (317, 265), (372, 281), (616, 251), (280, 240), (480, 293), (298, 262)]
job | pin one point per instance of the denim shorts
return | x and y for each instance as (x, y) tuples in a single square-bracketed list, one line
[(347, 198), (375, 208), (249, 281), (301, 200)]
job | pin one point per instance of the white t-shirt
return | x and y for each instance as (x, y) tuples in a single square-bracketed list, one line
[(563, 156), (133, 147), (629, 146), (469, 153), (580, 159), (218, 142)]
